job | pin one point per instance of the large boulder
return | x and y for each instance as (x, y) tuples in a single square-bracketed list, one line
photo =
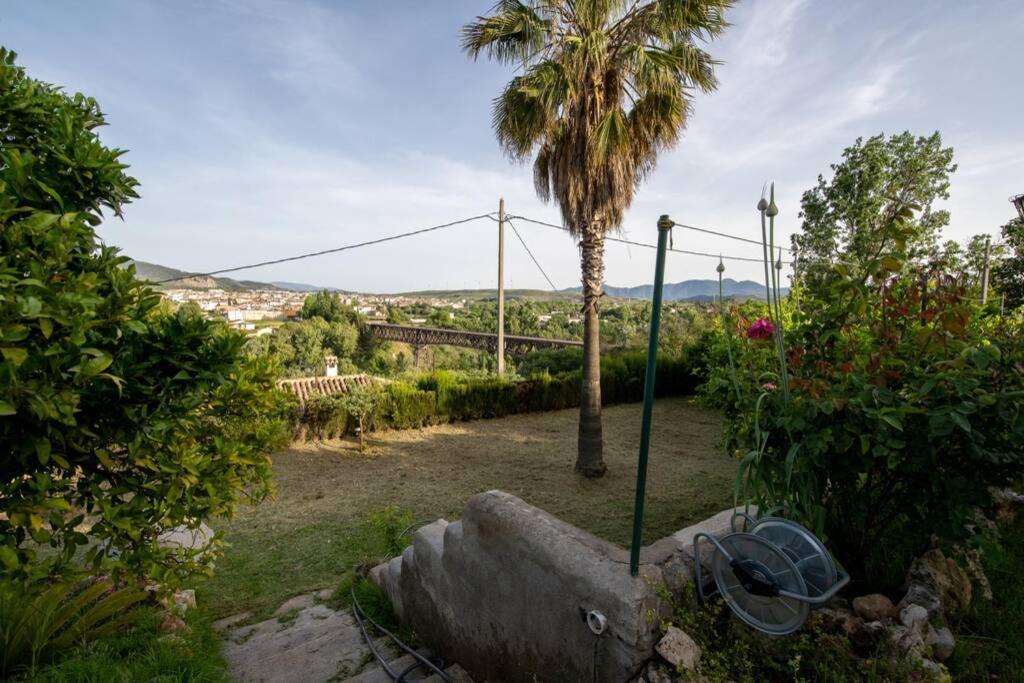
[(935, 576)]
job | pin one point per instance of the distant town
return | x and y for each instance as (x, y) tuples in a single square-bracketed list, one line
[(246, 308)]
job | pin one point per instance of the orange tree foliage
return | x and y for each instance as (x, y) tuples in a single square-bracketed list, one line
[(118, 418)]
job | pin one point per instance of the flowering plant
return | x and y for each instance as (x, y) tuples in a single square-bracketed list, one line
[(761, 329)]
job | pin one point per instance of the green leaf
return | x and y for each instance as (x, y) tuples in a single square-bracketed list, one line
[(43, 450), (961, 421), (94, 366), (7, 408), (892, 421), (8, 557), (14, 354)]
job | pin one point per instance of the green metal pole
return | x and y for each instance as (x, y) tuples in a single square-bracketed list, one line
[(664, 225)]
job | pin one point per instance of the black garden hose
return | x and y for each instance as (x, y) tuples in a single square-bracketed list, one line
[(421, 661)]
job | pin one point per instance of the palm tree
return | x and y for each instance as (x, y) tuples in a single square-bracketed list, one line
[(605, 86)]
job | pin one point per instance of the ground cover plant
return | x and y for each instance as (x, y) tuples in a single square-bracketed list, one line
[(140, 654)]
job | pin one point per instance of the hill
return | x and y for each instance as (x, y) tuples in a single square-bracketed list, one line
[(690, 290), (696, 291), (156, 273)]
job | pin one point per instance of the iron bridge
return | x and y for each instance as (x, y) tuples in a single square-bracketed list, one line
[(420, 337)]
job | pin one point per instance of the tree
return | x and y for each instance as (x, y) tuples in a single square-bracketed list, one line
[(850, 217), (329, 306), (112, 408), (606, 86), (361, 403), (1008, 273)]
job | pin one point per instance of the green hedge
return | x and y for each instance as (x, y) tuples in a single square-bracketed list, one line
[(446, 396)]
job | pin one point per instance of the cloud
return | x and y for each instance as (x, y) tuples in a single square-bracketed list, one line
[(304, 43)]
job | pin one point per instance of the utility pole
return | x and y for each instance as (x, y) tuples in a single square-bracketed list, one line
[(501, 286), (984, 272)]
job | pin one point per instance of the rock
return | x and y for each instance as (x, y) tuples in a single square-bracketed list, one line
[(655, 673), (1006, 502), (937, 673), (914, 616), (945, 578), (324, 594), (970, 558), (909, 635), (942, 642), (184, 600), (227, 623), (867, 637), (908, 641), (677, 572), (874, 607), (980, 521), (317, 645), (838, 619), (291, 605), (173, 624), (187, 538), (919, 594), (679, 649)]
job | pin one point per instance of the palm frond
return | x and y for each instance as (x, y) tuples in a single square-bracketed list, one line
[(512, 34)]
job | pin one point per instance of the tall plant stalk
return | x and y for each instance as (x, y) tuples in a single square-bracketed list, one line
[(725, 331), (774, 300)]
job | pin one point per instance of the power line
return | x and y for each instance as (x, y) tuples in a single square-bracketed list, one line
[(652, 246), (532, 257), (727, 235), (325, 251)]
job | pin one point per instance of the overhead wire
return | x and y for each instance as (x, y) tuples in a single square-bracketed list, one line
[(532, 257), (648, 245), (324, 252)]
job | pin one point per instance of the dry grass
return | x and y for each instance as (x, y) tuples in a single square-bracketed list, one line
[(315, 529)]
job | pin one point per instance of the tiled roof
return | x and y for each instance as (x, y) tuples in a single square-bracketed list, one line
[(306, 387)]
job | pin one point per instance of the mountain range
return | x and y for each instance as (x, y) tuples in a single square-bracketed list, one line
[(156, 273), (687, 290), (691, 290)]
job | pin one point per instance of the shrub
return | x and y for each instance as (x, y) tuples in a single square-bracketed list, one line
[(447, 396), (905, 403), (111, 407)]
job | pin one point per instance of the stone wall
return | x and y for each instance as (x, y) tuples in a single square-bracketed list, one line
[(505, 592)]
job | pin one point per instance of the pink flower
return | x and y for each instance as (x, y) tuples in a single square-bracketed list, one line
[(769, 386), (761, 329)]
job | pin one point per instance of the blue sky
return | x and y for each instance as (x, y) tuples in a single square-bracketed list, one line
[(265, 128)]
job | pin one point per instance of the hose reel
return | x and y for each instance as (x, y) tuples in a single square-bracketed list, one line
[(770, 575)]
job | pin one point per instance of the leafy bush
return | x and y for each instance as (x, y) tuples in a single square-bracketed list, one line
[(447, 396), (40, 620), (905, 403), (550, 361), (111, 407)]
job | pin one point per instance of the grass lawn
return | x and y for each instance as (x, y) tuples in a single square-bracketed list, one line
[(316, 528)]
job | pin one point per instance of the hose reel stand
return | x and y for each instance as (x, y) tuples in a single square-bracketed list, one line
[(770, 575)]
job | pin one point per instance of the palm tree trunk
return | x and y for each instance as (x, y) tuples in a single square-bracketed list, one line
[(590, 453)]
